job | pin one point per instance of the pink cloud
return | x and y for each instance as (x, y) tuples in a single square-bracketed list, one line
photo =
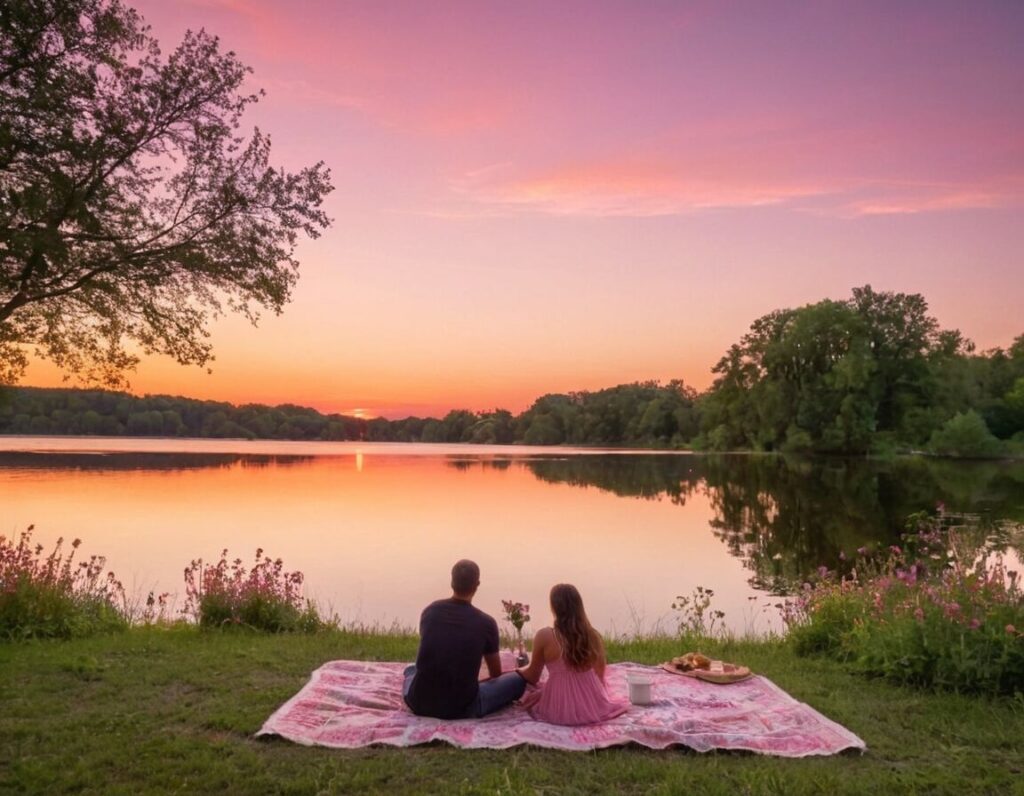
[(874, 168), (900, 199), (631, 188)]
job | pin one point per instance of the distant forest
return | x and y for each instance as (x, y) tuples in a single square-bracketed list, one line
[(645, 414), (872, 374)]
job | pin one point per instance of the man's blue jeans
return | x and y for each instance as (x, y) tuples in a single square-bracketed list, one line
[(493, 695)]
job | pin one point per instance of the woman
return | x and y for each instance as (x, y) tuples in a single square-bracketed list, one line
[(573, 653)]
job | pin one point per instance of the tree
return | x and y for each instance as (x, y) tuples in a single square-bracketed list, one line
[(965, 435), (832, 375), (132, 211), (543, 430)]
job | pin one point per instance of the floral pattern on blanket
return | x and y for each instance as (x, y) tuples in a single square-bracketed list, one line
[(350, 704)]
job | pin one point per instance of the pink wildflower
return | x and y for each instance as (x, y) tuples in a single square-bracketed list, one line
[(1011, 630)]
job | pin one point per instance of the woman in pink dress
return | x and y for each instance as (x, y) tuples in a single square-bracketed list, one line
[(573, 653)]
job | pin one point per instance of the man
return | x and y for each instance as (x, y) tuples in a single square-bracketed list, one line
[(454, 638)]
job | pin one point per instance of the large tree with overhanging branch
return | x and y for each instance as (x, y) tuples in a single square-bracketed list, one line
[(132, 208)]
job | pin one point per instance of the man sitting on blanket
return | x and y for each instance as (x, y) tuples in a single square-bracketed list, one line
[(454, 637)]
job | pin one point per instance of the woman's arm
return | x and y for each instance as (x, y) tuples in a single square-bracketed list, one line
[(532, 672), (599, 657)]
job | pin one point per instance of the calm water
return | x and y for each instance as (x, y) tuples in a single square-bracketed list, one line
[(376, 527)]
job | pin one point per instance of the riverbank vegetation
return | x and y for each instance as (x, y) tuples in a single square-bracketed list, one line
[(51, 595), (48, 595), (262, 597), (871, 374), (942, 610)]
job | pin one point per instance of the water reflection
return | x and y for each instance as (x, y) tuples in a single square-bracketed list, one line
[(99, 462), (786, 516), (375, 531)]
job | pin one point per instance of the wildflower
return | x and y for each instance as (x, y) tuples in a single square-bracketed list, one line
[(895, 550), (975, 623), (862, 551), (1011, 630), (919, 614)]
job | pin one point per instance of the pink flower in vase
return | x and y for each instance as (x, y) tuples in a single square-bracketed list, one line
[(517, 614)]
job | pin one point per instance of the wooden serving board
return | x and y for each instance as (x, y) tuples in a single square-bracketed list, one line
[(732, 673)]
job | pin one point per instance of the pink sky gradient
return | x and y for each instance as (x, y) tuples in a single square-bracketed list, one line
[(539, 197)]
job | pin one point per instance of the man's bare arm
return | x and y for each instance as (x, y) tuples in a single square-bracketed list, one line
[(493, 662)]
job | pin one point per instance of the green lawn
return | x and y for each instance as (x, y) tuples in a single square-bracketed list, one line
[(174, 711)]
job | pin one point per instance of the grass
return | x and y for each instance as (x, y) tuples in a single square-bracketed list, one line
[(173, 711)]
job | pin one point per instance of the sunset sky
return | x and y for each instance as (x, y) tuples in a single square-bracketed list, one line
[(539, 197)]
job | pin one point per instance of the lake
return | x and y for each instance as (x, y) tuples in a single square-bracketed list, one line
[(375, 527)]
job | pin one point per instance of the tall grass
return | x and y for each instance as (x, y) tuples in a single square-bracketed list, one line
[(51, 595)]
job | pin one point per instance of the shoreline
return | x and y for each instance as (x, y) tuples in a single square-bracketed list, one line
[(125, 444)]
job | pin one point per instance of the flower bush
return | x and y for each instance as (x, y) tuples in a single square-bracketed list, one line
[(942, 610), (52, 595), (261, 597)]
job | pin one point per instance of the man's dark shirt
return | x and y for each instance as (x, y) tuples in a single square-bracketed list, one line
[(454, 637)]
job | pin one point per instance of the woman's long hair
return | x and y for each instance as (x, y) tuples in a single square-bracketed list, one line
[(581, 644)]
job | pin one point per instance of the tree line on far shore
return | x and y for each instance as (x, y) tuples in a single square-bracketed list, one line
[(872, 374), (647, 414)]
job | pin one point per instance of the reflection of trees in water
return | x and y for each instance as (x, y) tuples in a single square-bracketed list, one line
[(100, 462), (643, 476), (783, 516), (462, 463), (786, 517)]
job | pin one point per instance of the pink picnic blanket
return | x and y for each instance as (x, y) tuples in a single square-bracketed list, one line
[(350, 704)]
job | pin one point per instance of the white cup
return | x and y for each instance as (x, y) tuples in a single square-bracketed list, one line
[(639, 688)]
